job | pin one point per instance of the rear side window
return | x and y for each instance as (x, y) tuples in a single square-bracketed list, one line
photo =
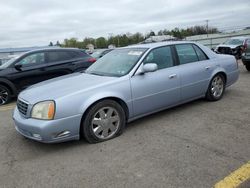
[(201, 55), (78, 54), (59, 56), (160, 56), (186, 53)]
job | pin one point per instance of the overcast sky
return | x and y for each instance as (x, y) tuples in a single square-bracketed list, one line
[(36, 23)]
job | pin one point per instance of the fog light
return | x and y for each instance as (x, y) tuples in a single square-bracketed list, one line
[(37, 136)]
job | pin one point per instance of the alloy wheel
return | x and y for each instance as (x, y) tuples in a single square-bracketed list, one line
[(217, 87), (3, 96), (105, 122)]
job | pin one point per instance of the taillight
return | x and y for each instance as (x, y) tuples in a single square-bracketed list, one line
[(91, 60), (245, 46)]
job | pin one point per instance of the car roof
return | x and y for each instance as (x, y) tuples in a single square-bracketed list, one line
[(159, 44), (53, 49)]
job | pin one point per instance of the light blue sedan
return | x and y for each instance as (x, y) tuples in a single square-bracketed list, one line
[(126, 84)]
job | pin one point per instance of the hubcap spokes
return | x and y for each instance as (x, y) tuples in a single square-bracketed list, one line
[(105, 123), (3, 96), (217, 87)]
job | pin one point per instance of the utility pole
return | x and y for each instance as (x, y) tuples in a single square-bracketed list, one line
[(207, 27)]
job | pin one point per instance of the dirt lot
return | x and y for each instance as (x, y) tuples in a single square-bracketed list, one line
[(193, 145)]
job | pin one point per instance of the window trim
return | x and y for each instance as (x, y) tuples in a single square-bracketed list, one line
[(33, 64), (192, 44), (201, 51), (175, 62)]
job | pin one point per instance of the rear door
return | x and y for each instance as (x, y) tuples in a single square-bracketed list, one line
[(195, 71), (62, 62), (59, 63), (156, 90)]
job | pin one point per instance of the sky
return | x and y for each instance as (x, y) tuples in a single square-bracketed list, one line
[(35, 23)]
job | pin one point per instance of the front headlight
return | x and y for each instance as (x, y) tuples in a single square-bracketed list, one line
[(43, 110)]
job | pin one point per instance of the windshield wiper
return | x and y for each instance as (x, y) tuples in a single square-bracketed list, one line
[(94, 73)]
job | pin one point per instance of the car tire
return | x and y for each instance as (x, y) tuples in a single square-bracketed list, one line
[(248, 66), (216, 88), (5, 95), (103, 121)]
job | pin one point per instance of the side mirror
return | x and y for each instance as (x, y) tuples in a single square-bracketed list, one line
[(18, 67), (149, 67)]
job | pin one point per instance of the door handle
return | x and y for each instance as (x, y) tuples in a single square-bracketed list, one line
[(172, 76)]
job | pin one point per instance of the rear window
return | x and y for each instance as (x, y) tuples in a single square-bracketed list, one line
[(78, 54), (234, 42), (59, 56), (201, 55)]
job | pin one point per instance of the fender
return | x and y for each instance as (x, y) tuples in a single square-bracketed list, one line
[(101, 96), (10, 84)]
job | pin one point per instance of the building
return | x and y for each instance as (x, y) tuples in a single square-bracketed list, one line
[(159, 38)]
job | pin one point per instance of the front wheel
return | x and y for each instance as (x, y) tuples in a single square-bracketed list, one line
[(216, 88), (248, 66), (103, 121), (4, 95)]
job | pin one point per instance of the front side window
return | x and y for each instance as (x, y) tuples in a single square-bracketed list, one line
[(37, 58), (160, 56), (118, 62), (186, 53)]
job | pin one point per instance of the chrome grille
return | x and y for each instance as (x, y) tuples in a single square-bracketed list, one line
[(22, 107)]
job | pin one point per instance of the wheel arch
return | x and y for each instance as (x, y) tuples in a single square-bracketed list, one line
[(9, 85), (120, 101), (220, 71)]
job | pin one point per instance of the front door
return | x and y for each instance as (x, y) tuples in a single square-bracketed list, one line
[(156, 90)]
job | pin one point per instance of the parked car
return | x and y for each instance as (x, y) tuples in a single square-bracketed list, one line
[(39, 65), (234, 46), (100, 52), (126, 84), (246, 55)]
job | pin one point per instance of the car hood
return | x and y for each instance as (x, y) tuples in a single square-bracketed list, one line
[(63, 86), (230, 46)]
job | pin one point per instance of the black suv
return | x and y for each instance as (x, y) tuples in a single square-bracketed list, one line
[(39, 65)]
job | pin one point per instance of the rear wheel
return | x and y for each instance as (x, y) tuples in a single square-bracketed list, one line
[(248, 66), (216, 88), (105, 120), (4, 95)]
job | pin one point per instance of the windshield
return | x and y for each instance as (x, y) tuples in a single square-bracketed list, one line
[(8, 63), (116, 63), (234, 42)]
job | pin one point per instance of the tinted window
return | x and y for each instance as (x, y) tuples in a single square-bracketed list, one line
[(59, 56), (200, 53), (186, 53), (77, 54), (37, 58), (161, 56)]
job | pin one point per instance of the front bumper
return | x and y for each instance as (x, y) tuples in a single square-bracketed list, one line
[(51, 131)]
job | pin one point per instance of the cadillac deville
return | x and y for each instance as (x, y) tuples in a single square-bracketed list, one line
[(126, 84)]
